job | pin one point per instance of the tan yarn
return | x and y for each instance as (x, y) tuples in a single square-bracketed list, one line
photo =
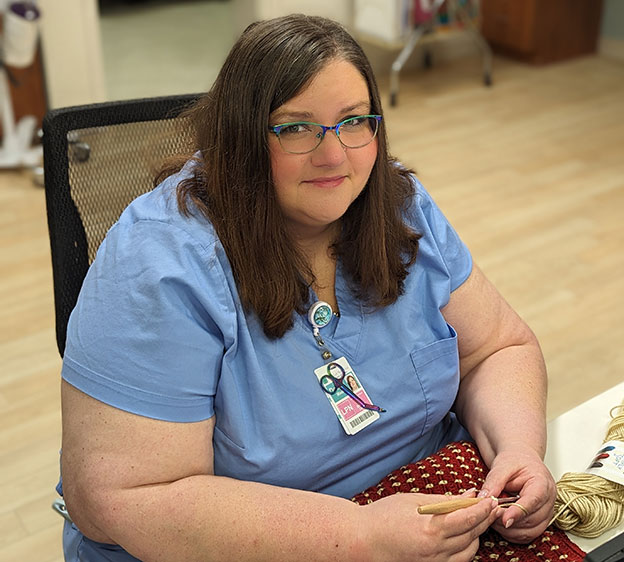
[(588, 505)]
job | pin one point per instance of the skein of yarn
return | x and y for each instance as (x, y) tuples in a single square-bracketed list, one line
[(587, 505)]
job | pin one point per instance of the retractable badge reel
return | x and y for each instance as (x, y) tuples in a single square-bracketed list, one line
[(343, 389), (319, 316)]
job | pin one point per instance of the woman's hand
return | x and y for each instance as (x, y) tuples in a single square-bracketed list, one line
[(395, 531), (519, 470)]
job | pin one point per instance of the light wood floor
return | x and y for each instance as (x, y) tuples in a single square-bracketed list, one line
[(530, 171)]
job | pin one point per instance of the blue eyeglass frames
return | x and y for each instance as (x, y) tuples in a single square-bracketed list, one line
[(301, 137)]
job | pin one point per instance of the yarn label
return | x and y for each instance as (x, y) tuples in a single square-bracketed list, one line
[(609, 462)]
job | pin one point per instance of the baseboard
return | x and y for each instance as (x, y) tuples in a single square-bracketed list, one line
[(612, 48)]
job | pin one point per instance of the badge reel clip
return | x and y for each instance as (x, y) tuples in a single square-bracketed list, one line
[(319, 316)]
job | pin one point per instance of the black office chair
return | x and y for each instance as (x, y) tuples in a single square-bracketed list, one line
[(97, 158)]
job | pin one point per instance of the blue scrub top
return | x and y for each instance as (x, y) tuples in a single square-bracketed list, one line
[(159, 331)]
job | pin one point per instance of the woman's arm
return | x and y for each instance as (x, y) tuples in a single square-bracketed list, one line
[(149, 486), (502, 400)]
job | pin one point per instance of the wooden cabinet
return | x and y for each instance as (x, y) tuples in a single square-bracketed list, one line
[(542, 31)]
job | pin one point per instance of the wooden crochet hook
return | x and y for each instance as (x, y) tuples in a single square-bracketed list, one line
[(460, 503)]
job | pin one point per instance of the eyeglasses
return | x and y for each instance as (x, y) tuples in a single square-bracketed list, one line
[(301, 137)]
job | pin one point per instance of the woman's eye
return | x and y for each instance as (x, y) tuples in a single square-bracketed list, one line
[(354, 122), (294, 129)]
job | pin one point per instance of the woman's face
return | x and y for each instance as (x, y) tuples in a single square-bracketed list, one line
[(315, 189)]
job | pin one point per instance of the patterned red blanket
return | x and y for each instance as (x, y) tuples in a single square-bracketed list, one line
[(453, 470)]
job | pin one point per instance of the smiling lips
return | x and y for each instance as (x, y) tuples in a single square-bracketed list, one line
[(333, 181)]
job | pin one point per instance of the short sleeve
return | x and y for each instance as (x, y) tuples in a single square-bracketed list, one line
[(147, 333), (440, 237)]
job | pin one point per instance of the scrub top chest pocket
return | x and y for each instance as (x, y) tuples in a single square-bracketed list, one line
[(437, 369)]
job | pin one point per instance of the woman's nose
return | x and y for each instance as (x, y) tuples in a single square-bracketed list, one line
[(330, 152)]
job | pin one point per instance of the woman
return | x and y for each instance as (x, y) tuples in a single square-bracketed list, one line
[(194, 424)]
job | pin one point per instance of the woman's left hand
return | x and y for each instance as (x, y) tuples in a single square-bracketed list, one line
[(520, 471)]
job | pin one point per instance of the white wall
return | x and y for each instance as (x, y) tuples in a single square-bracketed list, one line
[(612, 30), (248, 11), (72, 52), (339, 10)]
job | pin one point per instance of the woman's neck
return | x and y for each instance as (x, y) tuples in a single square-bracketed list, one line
[(315, 241), (316, 250)]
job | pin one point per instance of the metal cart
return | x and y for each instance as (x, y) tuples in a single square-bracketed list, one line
[(458, 16)]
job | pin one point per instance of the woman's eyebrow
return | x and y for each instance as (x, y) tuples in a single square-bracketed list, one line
[(281, 116), (360, 105), (287, 115)]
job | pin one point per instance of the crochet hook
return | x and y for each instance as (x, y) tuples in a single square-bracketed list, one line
[(454, 505)]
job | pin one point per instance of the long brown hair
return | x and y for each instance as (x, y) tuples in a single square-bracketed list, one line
[(272, 62)]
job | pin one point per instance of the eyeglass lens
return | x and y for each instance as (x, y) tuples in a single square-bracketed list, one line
[(302, 137)]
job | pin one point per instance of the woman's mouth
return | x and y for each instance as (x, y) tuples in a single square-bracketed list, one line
[(333, 181)]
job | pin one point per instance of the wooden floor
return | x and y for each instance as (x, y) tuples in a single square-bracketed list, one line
[(531, 173)]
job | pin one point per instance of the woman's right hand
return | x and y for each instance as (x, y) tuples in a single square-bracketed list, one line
[(395, 531)]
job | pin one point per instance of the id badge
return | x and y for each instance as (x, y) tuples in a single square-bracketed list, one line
[(351, 415)]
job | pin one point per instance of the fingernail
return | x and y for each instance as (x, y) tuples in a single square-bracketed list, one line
[(509, 523), (470, 491), (484, 493)]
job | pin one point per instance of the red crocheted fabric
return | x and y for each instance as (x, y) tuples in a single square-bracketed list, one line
[(453, 470)]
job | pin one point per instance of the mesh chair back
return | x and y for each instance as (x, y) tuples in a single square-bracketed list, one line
[(98, 158)]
